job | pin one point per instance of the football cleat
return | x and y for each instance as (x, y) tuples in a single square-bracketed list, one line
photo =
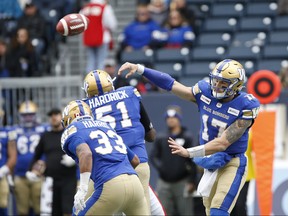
[(75, 110), (97, 82), (227, 78)]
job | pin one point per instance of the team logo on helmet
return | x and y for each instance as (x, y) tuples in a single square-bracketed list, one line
[(74, 110), (227, 78)]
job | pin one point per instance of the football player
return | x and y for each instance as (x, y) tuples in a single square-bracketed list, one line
[(8, 157), (102, 156), (28, 187), (226, 114), (123, 110)]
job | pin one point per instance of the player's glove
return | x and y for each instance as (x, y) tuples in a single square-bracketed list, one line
[(79, 202), (67, 161), (32, 176), (4, 170)]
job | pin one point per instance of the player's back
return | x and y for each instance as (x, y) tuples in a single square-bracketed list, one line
[(108, 150), (121, 109), (27, 140)]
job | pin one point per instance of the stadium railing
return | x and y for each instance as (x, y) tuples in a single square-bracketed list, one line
[(46, 92)]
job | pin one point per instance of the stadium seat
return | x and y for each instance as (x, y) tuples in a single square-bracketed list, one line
[(199, 2), (190, 81), (261, 9), (243, 53), (280, 23), (275, 51), (174, 55), (277, 37), (144, 57), (232, 1), (227, 10), (199, 69), (273, 65), (249, 66), (214, 39), (249, 38), (176, 70), (207, 53), (220, 25), (255, 24)]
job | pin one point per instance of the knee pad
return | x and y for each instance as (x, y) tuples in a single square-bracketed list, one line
[(218, 212)]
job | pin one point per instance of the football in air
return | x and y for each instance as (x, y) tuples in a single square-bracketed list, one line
[(72, 24)]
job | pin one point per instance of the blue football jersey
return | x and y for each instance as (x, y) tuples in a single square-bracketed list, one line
[(217, 116), (27, 140), (121, 109), (6, 134), (108, 150)]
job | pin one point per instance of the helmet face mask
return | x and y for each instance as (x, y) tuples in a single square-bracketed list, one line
[(75, 110), (97, 82), (28, 114), (227, 79)]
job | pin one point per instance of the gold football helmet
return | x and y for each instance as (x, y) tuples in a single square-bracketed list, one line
[(76, 109), (227, 78), (28, 107), (28, 113), (97, 82)]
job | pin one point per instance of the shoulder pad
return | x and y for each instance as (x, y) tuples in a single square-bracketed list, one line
[(251, 107), (67, 133), (196, 90)]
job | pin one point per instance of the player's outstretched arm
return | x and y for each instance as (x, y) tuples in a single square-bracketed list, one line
[(229, 136), (160, 79)]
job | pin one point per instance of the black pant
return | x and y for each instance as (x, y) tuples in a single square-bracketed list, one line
[(240, 208), (63, 195)]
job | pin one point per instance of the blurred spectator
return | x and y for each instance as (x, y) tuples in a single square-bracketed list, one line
[(10, 11), (177, 176), (33, 21), (110, 66), (52, 12), (98, 34), (282, 7), (283, 75), (60, 173), (158, 11), (3, 57), (143, 85), (138, 34), (186, 12), (21, 55), (176, 32)]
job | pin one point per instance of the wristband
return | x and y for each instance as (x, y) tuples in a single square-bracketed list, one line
[(84, 179), (140, 69), (198, 151)]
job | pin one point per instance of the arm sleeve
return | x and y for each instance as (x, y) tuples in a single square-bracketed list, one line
[(39, 150), (109, 19), (145, 120)]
